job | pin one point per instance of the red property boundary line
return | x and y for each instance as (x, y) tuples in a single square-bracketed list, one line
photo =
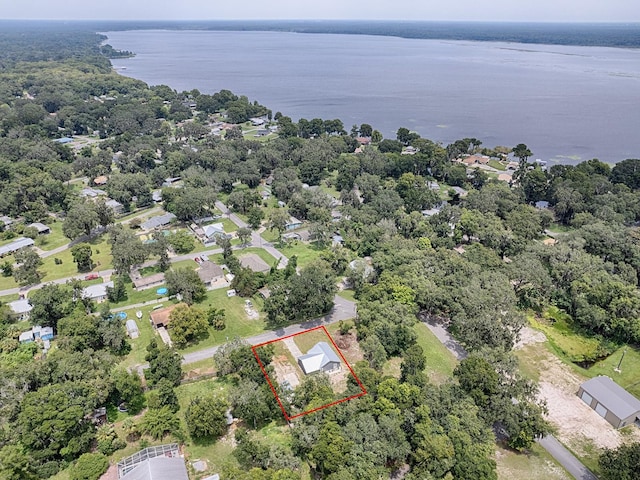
[(264, 372)]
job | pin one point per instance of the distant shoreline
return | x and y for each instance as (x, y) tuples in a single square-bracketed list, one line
[(618, 35)]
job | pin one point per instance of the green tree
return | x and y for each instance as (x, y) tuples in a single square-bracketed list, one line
[(160, 247), (187, 324), (118, 292), (187, 283), (244, 235), (182, 242), (90, 466), (128, 389), (28, 262), (164, 362), (82, 256), (159, 422), (126, 250), (80, 220), (620, 463), (627, 172), (255, 216), (278, 220), (206, 417), (216, 318), (15, 463), (413, 362), (163, 395), (50, 303)]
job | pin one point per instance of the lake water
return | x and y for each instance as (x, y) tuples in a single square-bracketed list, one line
[(566, 103)]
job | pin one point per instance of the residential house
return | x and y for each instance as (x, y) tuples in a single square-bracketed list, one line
[(542, 205), (41, 228), (256, 122), (291, 236), (210, 232), (156, 196), (16, 245), (144, 283), (63, 140), (460, 191), (43, 333), (20, 309), (158, 221), (26, 337), (610, 401), (132, 328), (210, 273), (293, 223), (6, 221), (254, 262), (364, 140), (92, 192), (409, 150), (320, 358), (116, 207), (160, 317), (337, 240), (505, 177), (100, 180), (98, 292), (171, 181)]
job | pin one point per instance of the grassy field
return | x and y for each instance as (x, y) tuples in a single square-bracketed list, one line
[(440, 361), (537, 464), (347, 295), (238, 323), (629, 376), (497, 165), (101, 256), (54, 239), (307, 340), (306, 252)]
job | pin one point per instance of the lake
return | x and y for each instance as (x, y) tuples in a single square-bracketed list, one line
[(567, 103)]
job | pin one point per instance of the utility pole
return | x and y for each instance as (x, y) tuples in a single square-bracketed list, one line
[(617, 369)]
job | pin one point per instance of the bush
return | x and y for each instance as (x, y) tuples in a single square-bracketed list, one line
[(90, 466)]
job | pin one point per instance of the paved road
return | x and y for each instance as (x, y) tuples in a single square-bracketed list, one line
[(256, 238), (342, 310), (563, 456)]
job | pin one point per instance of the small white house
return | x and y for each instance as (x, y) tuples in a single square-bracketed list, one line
[(320, 358), (20, 309), (97, 293)]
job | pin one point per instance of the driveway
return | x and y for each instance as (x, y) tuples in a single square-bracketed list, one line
[(563, 456)]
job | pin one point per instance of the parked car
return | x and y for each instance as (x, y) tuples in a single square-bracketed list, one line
[(92, 276)]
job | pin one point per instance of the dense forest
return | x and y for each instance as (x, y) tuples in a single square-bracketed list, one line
[(478, 266)]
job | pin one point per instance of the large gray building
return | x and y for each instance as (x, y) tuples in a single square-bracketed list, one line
[(610, 401)]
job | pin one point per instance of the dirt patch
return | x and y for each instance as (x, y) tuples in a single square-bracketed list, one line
[(349, 346), (579, 427), (529, 336), (284, 371)]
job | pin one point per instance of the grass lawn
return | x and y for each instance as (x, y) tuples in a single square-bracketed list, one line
[(238, 323), (9, 298), (8, 282), (263, 254), (139, 345), (557, 228), (307, 340), (629, 376), (135, 296), (54, 239), (347, 295), (306, 252), (536, 464), (101, 258), (440, 361), (497, 165)]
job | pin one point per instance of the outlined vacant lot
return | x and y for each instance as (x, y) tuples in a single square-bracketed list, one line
[(317, 350)]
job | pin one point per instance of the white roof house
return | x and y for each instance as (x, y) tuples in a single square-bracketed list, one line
[(97, 292), (320, 358), (16, 245), (40, 227), (20, 308), (92, 192), (213, 229), (158, 221)]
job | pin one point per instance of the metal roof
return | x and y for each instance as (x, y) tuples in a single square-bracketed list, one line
[(612, 396), (96, 291), (16, 245), (20, 306), (317, 357), (159, 468), (158, 221)]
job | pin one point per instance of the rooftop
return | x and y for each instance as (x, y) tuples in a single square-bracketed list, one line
[(157, 221), (612, 396), (317, 357), (16, 245), (161, 316), (20, 306), (209, 271), (98, 290)]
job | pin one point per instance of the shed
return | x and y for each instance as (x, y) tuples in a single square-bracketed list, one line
[(254, 262), (320, 358), (132, 328), (610, 401), (41, 228), (6, 221), (26, 337)]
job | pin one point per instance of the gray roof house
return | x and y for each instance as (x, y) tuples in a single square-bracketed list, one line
[(16, 245), (610, 401), (98, 292), (320, 358), (20, 308), (116, 207), (158, 221), (254, 262), (209, 273)]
